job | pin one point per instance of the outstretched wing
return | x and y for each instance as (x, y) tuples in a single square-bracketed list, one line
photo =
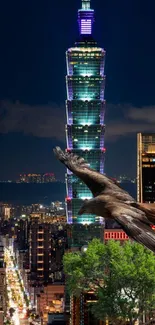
[(95, 181), (136, 229)]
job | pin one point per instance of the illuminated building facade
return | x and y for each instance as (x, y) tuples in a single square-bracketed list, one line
[(79, 235), (146, 167), (81, 312), (85, 107), (50, 304), (5, 211), (115, 234), (47, 243)]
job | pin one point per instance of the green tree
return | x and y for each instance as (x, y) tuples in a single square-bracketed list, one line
[(121, 276)]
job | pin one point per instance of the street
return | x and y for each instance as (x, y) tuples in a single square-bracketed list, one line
[(17, 300)]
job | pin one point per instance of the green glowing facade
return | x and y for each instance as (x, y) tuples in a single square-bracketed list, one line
[(85, 107)]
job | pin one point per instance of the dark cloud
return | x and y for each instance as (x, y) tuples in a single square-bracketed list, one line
[(40, 121), (132, 121), (48, 121), (146, 114)]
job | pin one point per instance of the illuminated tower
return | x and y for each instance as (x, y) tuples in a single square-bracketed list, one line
[(85, 107)]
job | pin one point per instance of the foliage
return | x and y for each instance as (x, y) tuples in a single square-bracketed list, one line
[(122, 277), (7, 322)]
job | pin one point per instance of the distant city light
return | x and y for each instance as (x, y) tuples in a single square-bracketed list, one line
[(37, 178)]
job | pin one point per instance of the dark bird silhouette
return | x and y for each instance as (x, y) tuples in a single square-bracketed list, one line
[(111, 201)]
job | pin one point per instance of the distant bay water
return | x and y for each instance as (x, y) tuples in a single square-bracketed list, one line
[(28, 193), (25, 194)]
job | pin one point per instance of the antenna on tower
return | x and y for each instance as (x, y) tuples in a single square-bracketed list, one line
[(85, 4)]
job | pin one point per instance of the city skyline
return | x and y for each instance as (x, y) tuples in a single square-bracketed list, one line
[(32, 91)]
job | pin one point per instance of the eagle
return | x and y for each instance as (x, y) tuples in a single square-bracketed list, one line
[(111, 201)]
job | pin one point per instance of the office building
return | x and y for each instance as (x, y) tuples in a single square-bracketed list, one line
[(85, 107), (79, 235), (5, 211), (50, 303), (22, 231), (81, 312), (146, 167), (47, 242)]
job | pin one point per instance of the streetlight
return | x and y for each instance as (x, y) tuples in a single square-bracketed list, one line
[(84, 248)]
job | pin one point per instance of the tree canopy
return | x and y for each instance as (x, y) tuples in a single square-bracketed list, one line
[(121, 276)]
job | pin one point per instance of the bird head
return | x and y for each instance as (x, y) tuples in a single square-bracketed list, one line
[(87, 207), (82, 210)]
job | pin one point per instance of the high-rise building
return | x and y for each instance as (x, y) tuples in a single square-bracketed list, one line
[(5, 211), (146, 167), (22, 230), (47, 242), (79, 235), (81, 311), (85, 107), (50, 304)]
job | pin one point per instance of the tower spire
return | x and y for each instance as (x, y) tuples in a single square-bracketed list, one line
[(85, 4)]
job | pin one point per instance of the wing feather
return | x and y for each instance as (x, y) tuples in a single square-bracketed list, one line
[(150, 213), (95, 181), (136, 229)]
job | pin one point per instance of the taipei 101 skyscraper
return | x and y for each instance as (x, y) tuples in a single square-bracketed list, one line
[(85, 107)]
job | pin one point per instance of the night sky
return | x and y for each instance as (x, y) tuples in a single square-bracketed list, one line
[(34, 36)]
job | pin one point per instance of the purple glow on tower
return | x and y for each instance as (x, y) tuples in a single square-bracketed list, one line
[(102, 113), (70, 192), (86, 26), (70, 143), (85, 18)]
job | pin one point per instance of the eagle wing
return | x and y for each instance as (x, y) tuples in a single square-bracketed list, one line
[(150, 213), (96, 182), (137, 229)]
